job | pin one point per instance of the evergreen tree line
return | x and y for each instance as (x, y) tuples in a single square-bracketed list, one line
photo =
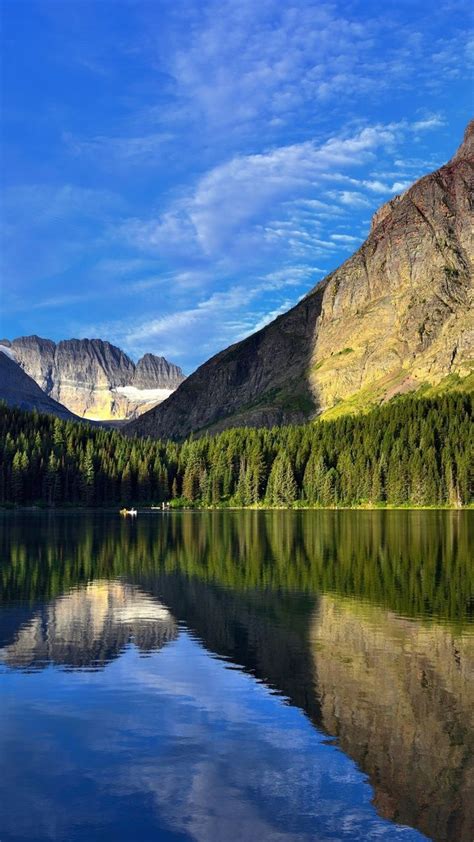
[(410, 451)]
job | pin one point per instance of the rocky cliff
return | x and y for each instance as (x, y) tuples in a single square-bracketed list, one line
[(93, 378), (18, 389), (394, 317), (151, 370)]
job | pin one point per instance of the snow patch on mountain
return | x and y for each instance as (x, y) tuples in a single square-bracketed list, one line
[(145, 395)]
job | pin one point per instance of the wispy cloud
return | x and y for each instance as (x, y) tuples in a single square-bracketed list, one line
[(431, 121), (223, 317), (250, 67), (351, 198), (272, 314), (234, 195), (234, 203), (345, 238)]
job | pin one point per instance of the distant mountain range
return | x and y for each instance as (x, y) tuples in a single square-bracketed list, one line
[(396, 316), (91, 378)]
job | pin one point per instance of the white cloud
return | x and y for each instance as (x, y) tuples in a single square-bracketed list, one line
[(345, 238), (290, 276), (432, 121), (219, 303), (233, 196), (352, 198), (249, 68), (245, 61), (373, 185)]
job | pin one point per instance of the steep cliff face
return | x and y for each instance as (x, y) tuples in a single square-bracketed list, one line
[(94, 378), (18, 389), (398, 313), (392, 318)]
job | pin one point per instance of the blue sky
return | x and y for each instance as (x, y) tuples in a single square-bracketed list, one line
[(175, 174)]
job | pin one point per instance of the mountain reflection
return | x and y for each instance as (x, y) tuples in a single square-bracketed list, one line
[(398, 694), (89, 627), (362, 620)]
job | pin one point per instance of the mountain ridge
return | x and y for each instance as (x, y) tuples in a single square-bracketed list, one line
[(392, 318), (94, 378)]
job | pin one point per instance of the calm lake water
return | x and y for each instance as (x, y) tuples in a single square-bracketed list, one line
[(237, 676)]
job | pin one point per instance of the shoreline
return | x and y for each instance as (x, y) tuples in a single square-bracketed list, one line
[(380, 507)]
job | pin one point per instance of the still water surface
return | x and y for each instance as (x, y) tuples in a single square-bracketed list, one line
[(237, 676)]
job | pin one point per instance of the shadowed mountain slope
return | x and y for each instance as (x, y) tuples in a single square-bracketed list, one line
[(393, 318), (18, 389)]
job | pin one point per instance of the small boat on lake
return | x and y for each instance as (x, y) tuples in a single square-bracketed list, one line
[(131, 512)]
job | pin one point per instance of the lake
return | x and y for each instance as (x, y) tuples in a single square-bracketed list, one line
[(237, 676)]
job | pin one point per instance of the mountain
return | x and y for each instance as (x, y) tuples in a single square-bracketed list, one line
[(93, 378), (393, 318), (18, 389)]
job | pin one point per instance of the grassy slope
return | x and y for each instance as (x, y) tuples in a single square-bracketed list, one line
[(365, 399)]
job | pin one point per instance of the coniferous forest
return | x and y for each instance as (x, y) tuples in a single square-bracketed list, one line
[(411, 451)]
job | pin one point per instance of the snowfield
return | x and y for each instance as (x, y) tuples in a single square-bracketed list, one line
[(143, 395)]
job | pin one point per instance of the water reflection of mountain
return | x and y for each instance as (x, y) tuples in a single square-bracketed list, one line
[(389, 675), (399, 696), (90, 626)]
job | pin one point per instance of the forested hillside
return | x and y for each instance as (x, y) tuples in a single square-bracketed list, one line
[(411, 451)]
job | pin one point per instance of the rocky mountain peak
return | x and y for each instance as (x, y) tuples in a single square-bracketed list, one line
[(96, 359), (385, 210), (466, 149), (151, 370)]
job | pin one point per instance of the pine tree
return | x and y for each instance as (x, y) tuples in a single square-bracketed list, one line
[(17, 479), (313, 478), (281, 488), (88, 474), (126, 485)]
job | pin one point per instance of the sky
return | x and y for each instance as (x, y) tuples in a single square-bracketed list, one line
[(175, 174)]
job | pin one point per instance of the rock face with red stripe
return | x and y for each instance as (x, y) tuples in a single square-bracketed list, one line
[(393, 318)]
